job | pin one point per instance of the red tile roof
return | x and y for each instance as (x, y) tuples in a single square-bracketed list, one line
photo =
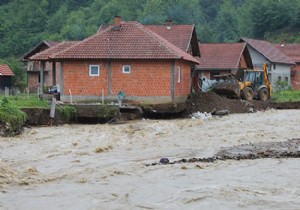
[(290, 50), (178, 35), (181, 36), (220, 55), (44, 55), (5, 70), (39, 47), (131, 41), (269, 51)]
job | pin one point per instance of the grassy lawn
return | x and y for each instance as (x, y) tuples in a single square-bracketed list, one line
[(27, 101), (286, 96)]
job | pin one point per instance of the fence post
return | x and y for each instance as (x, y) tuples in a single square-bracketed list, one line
[(6, 92)]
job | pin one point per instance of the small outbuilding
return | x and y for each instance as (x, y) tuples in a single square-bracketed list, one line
[(6, 75)]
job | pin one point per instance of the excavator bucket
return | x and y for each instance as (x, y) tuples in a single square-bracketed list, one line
[(228, 87)]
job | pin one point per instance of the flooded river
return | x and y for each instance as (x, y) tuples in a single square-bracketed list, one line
[(104, 166)]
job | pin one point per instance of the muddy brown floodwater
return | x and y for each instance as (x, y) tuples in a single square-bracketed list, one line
[(104, 166)]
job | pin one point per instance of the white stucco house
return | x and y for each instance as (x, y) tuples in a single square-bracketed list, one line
[(279, 65)]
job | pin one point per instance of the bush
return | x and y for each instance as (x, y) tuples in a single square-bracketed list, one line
[(69, 113), (281, 86), (12, 119)]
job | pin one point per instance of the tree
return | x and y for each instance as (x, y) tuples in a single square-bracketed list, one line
[(57, 21), (226, 24), (265, 16), (76, 27), (153, 13)]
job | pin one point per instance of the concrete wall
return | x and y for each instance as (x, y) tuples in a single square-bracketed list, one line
[(149, 81), (280, 72)]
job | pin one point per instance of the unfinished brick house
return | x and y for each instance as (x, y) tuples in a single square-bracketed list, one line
[(33, 67), (127, 57), (293, 52)]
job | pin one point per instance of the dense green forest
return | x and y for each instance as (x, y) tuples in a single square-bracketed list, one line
[(24, 23)]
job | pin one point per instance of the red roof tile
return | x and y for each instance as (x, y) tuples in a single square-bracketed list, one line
[(44, 55), (290, 50), (221, 55), (131, 41), (269, 51), (39, 47), (178, 35), (5, 70), (181, 36)]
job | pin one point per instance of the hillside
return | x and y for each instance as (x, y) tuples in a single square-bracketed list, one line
[(24, 23)]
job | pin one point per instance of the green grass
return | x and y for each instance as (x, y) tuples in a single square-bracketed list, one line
[(11, 117), (27, 101), (286, 96)]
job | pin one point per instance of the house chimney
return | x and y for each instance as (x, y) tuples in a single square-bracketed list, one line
[(169, 24), (118, 21), (282, 44)]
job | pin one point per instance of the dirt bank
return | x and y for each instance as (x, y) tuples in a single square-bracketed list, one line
[(198, 102), (207, 102), (212, 102)]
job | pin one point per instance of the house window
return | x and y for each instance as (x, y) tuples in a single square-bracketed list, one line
[(286, 79), (279, 79), (179, 74), (274, 66), (126, 69), (94, 70)]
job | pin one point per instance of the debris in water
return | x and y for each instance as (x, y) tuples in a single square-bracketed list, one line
[(202, 116), (164, 161)]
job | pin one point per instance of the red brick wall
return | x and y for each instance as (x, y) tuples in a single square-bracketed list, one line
[(33, 81), (182, 86), (77, 79), (147, 78), (295, 79)]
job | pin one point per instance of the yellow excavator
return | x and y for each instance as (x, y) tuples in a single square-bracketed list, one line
[(248, 84)]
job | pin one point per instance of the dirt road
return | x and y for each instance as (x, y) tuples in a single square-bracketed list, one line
[(104, 166)]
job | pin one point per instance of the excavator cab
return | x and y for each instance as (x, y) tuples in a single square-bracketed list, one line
[(247, 84), (256, 84)]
